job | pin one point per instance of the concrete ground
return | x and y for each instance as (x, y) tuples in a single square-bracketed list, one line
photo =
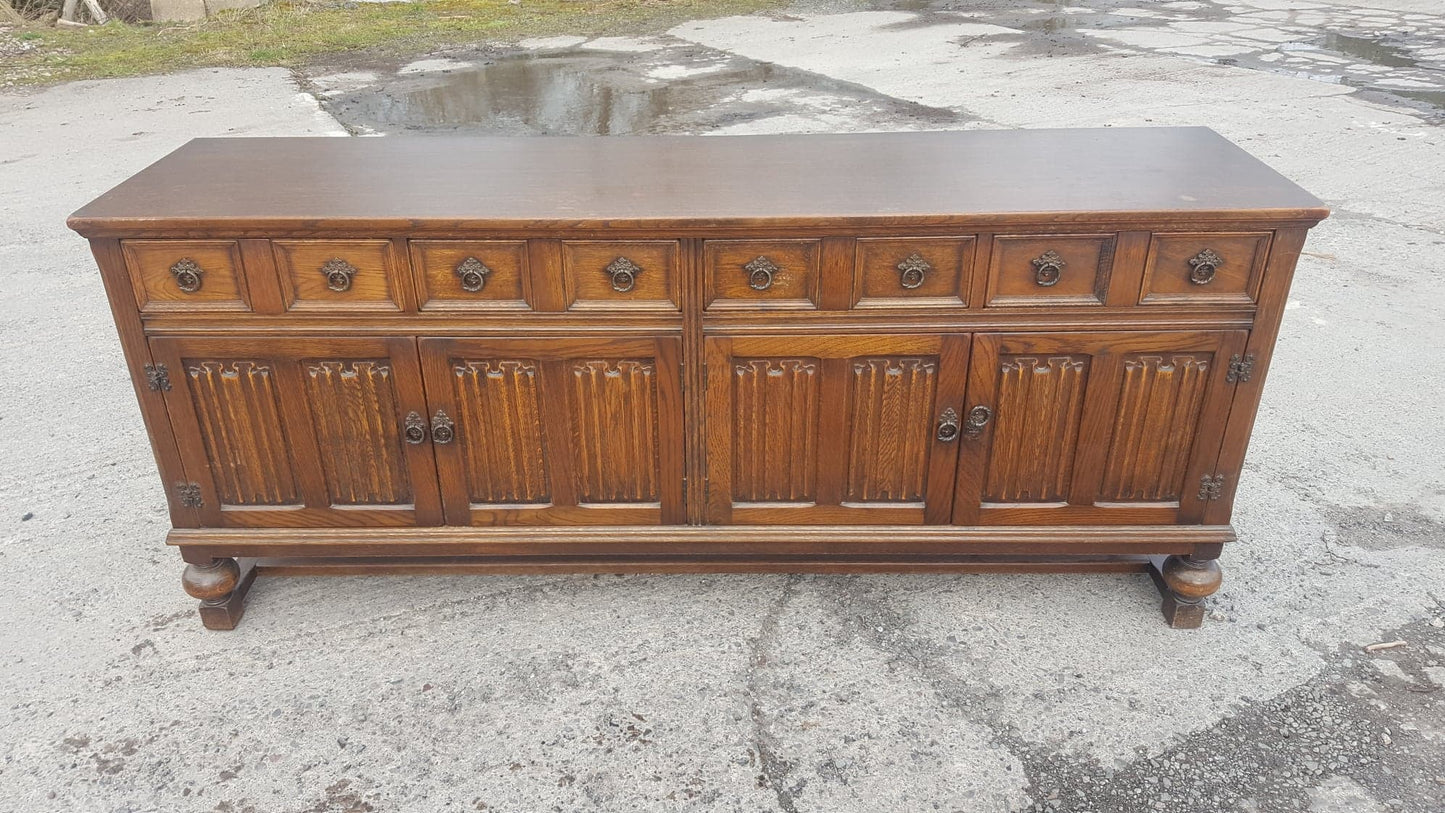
[(763, 693)]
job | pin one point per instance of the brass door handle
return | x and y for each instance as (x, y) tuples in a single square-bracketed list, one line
[(338, 273), (442, 429), (978, 418), (948, 426), (912, 270), (473, 274), (414, 429), (624, 274), (760, 273), (188, 274), (1048, 268), (1203, 266)]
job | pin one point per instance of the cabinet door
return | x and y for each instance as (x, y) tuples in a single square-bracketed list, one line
[(833, 429), (1096, 428), (301, 431), (558, 431)]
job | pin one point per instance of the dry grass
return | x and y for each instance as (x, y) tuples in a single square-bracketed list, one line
[(292, 33)]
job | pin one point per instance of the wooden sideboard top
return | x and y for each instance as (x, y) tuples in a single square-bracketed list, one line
[(916, 178)]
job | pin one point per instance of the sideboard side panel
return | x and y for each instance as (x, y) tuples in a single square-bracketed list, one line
[(118, 289), (1273, 295)]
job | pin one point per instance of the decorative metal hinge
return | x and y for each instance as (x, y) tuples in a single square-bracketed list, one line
[(189, 495), (1210, 486), (1240, 368), (158, 378)]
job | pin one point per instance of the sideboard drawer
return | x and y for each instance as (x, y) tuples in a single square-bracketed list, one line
[(912, 272), (340, 275), (762, 274), (612, 275), (186, 275), (471, 275), (1044, 270), (1204, 268)]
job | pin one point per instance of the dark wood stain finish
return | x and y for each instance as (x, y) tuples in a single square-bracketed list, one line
[(981, 351)]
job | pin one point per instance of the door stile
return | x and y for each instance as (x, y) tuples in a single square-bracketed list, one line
[(833, 398), (943, 459), (671, 457), (974, 442), (719, 458)]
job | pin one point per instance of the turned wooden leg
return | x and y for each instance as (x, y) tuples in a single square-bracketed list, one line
[(221, 585), (1184, 582)]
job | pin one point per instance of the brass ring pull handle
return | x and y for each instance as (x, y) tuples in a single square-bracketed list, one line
[(978, 418), (911, 271), (473, 274), (1203, 266), (1048, 268), (624, 274), (760, 273), (338, 273), (948, 425), (415, 428), (442, 429), (188, 274)]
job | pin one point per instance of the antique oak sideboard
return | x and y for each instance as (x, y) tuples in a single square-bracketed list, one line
[(1026, 350)]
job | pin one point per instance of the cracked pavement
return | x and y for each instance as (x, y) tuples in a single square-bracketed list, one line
[(768, 692)]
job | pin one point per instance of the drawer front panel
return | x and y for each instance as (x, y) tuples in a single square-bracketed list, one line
[(172, 276), (1204, 268), (611, 275), (912, 272), (1048, 270), (340, 275), (471, 275), (762, 274)]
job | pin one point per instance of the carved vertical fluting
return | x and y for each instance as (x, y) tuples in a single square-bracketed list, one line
[(614, 407), (891, 419), (356, 419), (240, 422), (1160, 402), (1039, 407), (502, 442), (775, 426)]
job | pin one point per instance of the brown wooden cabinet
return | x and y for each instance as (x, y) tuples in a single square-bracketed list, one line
[(822, 353)]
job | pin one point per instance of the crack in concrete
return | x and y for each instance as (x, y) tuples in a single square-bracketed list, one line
[(774, 769)]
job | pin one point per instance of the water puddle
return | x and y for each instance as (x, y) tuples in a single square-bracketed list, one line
[(603, 93), (1368, 49)]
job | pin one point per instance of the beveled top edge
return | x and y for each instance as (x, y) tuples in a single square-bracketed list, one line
[(697, 182)]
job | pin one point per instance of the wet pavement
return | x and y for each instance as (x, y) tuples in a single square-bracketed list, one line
[(666, 84)]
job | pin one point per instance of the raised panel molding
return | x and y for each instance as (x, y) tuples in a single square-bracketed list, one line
[(1039, 407), (240, 422), (614, 430), (1160, 400), (775, 428), (504, 448), (354, 412), (891, 416)]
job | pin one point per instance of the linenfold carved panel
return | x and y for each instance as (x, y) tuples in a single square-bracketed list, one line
[(1160, 400), (614, 430), (357, 423), (891, 424), (504, 448), (1039, 405), (240, 421), (775, 428)]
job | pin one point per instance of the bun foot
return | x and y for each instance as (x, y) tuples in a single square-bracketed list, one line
[(1184, 582), (221, 586)]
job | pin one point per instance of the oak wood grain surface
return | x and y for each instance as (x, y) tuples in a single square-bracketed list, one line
[(660, 180)]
